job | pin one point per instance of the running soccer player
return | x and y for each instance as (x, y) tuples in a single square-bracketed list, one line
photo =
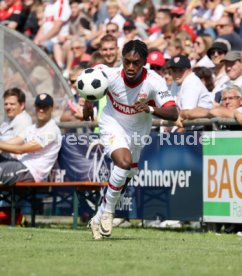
[(135, 94)]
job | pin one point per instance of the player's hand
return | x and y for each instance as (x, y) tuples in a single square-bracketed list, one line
[(141, 106), (88, 111)]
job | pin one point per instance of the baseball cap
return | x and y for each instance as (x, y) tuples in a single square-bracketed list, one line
[(217, 46), (156, 58), (178, 10), (232, 56), (44, 100), (129, 25), (180, 61)]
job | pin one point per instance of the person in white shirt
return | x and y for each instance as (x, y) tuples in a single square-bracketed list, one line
[(54, 28), (192, 95), (17, 119), (37, 148), (135, 93)]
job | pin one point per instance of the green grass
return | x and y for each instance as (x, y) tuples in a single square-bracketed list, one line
[(133, 251)]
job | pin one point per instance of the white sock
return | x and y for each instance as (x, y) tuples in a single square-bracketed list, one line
[(116, 182)]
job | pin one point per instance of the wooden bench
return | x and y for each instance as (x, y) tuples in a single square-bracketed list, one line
[(35, 187)]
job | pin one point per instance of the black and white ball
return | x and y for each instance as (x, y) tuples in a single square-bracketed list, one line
[(92, 84)]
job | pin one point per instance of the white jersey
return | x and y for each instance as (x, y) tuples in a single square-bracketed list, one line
[(121, 98), (193, 94), (41, 162), (15, 127), (58, 11)]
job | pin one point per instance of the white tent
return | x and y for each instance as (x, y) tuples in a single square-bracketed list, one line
[(26, 66)]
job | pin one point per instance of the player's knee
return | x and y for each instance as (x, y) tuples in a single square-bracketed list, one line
[(124, 164)]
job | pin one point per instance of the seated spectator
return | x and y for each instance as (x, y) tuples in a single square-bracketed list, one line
[(199, 55), (233, 68), (174, 47), (179, 22), (156, 61), (37, 148), (55, 25), (225, 30), (205, 75), (114, 14), (188, 98), (17, 119), (216, 53), (207, 20), (28, 22), (79, 109), (10, 12), (231, 101)]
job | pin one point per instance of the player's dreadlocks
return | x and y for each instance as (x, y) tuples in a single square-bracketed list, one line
[(137, 46)]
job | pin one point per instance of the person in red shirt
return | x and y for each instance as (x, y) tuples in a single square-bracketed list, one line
[(10, 12), (178, 22)]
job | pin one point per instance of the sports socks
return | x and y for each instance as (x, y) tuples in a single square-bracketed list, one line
[(116, 183)]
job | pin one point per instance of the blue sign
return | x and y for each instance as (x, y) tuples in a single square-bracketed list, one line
[(169, 183)]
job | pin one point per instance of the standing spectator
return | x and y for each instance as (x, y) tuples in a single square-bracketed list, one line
[(17, 118), (55, 25), (37, 148), (10, 12), (225, 30), (127, 113)]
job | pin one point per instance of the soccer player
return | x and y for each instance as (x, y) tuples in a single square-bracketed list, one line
[(135, 94)]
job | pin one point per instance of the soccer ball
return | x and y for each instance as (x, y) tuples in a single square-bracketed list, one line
[(92, 84)]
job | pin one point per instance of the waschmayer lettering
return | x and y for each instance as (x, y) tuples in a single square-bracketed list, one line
[(157, 178)]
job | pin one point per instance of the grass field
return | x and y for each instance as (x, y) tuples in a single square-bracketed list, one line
[(133, 251)]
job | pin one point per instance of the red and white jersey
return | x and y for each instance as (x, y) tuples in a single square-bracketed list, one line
[(121, 98), (58, 11)]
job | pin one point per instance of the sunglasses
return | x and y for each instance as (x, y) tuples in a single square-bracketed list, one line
[(198, 43), (156, 68), (219, 52), (221, 26), (111, 31), (176, 15), (72, 81)]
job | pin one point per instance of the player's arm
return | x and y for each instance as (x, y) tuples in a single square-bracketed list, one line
[(168, 111), (17, 148)]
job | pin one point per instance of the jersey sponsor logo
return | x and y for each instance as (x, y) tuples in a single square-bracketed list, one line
[(164, 94), (142, 96), (122, 108)]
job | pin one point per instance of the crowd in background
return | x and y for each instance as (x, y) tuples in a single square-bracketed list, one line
[(71, 32)]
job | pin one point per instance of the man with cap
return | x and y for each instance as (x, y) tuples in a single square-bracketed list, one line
[(233, 68), (193, 97), (36, 148)]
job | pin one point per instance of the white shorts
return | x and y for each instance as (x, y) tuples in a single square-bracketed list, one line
[(116, 137)]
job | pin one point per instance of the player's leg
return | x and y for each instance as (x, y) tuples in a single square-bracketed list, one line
[(122, 159)]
